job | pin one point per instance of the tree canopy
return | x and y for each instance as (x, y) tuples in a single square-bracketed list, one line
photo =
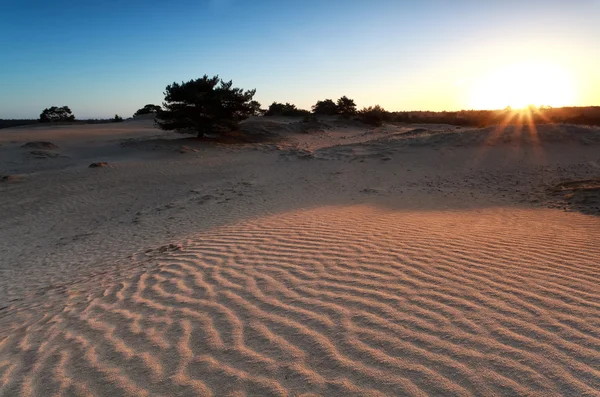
[(374, 115), (346, 106), (147, 109), (327, 107), (287, 109), (205, 106), (55, 113)]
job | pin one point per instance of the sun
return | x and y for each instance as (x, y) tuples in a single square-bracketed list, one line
[(521, 85)]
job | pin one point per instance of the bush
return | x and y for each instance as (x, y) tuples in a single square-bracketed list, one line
[(309, 118), (117, 119), (148, 109), (346, 106), (54, 114), (256, 110), (373, 115), (205, 106), (326, 107), (286, 110)]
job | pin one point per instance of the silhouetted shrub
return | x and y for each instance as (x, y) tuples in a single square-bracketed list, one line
[(285, 109), (256, 110), (326, 107), (309, 118), (117, 119), (54, 114), (148, 109), (205, 106), (373, 115), (346, 106)]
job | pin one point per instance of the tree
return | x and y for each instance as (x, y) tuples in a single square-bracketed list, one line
[(256, 110), (327, 107), (54, 114), (148, 109), (117, 119), (346, 106), (374, 115), (206, 105), (287, 109)]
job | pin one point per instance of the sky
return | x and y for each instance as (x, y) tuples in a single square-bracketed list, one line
[(112, 57)]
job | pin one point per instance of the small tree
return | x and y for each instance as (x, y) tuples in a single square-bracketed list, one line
[(54, 114), (287, 109), (206, 105), (117, 119), (327, 107), (373, 115), (346, 106), (256, 109), (148, 109)]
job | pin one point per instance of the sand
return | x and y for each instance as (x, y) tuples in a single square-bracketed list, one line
[(335, 260)]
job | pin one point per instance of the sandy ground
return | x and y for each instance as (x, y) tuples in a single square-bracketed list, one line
[(332, 259)]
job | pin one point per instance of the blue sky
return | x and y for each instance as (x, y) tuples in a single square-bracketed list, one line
[(110, 57)]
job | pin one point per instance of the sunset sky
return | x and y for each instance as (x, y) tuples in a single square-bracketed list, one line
[(110, 57)]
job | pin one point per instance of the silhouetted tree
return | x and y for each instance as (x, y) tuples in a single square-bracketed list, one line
[(257, 111), (55, 113), (206, 105), (327, 107), (287, 109), (346, 106), (374, 115), (148, 109), (117, 119)]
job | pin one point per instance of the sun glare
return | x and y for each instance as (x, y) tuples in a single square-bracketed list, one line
[(521, 85)]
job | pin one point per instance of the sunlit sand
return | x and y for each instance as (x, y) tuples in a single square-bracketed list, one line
[(335, 260)]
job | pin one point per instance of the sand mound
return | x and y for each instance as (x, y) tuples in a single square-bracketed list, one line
[(577, 186), (149, 116), (40, 145), (42, 154), (98, 164), (7, 178), (311, 126), (491, 136), (580, 195)]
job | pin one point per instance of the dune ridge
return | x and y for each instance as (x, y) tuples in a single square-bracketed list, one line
[(339, 300)]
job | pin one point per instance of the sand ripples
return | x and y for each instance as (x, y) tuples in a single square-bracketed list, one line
[(332, 301)]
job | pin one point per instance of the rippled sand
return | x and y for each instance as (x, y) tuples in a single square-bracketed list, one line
[(382, 293)]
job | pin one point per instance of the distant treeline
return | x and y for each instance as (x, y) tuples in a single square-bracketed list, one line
[(16, 123), (376, 115), (8, 123), (483, 118)]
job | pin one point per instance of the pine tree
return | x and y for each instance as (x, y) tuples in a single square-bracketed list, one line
[(346, 106), (205, 106)]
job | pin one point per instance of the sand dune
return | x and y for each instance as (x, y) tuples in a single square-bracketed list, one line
[(334, 301), (341, 262)]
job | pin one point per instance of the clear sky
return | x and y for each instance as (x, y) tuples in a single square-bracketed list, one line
[(107, 57)]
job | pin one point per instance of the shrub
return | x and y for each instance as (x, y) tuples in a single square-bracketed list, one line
[(326, 107), (373, 115), (54, 114), (309, 118), (346, 106), (256, 110), (205, 106), (117, 119), (287, 110)]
